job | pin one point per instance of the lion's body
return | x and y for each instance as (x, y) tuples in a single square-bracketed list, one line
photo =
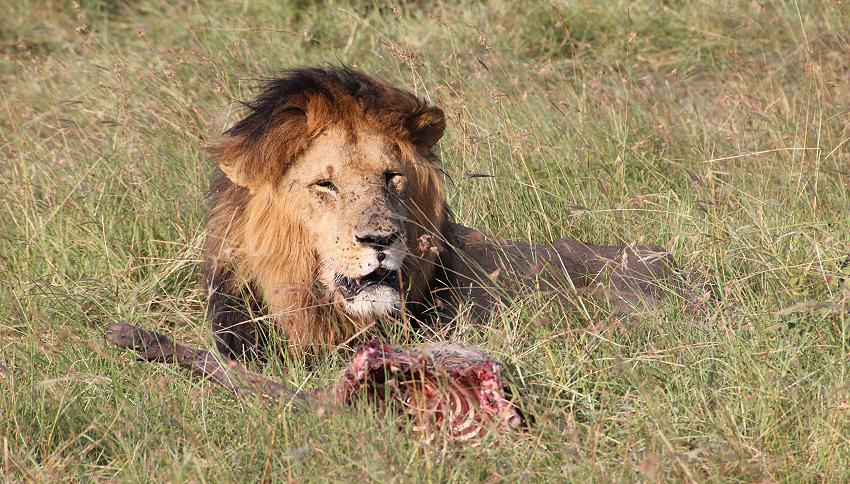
[(330, 213)]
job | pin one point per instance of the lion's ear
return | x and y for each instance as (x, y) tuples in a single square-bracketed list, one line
[(234, 158), (260, 148), (426, 127)]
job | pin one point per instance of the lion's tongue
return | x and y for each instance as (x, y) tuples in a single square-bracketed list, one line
[(372, 278)]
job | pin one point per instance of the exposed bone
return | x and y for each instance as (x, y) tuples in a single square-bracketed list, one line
[(157, 347)]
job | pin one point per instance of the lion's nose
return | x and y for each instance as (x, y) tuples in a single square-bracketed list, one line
[(378, 241)]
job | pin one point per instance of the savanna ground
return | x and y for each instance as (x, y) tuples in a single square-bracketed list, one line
[(717, 128)]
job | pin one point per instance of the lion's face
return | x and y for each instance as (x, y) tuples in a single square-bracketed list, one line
[(334, 187), (354, 203)]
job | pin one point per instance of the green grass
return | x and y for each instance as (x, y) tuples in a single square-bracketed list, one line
[(718, 129)]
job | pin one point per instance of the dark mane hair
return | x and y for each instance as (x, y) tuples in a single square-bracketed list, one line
[(301, 102), (391, 107)]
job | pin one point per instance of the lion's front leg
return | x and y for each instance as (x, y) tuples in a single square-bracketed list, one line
[(234, 312)]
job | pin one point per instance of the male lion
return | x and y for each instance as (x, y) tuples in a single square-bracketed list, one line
[(330, 213)]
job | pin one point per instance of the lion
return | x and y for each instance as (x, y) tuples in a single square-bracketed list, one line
[(329, 214)]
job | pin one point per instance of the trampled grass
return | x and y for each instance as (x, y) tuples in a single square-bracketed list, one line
[(718, 129)]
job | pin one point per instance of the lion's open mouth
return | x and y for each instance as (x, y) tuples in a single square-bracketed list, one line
[(349, 287)]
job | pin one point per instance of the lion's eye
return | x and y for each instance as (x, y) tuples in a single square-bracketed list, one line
[(394, 179), (326, 185), (388, 176)]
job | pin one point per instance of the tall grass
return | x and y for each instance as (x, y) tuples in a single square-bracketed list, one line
[(718, 129)]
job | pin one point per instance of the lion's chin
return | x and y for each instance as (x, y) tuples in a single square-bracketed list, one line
[(373, 302), (374, 295)]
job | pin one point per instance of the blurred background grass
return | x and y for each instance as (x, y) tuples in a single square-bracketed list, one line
[(716, 128)]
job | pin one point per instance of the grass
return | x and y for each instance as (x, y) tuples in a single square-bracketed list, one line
[(718, 129)]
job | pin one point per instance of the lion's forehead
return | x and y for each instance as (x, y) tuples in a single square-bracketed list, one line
[(374, 146), (346, 153)]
